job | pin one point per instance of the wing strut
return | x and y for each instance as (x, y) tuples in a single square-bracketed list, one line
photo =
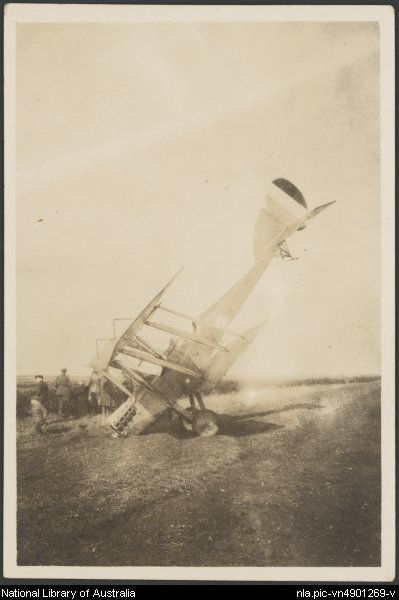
[(197, 321), (135, 339), (115, 382), (146, 356), (132, 373), (185, 335)]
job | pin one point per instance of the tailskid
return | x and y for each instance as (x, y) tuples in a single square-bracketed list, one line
[(282, 251)]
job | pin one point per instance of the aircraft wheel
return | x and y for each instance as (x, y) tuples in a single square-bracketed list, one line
[(185, 425), (206, 424)]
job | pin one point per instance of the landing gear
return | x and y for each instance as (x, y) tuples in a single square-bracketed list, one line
[(205, 422), (185, 425)]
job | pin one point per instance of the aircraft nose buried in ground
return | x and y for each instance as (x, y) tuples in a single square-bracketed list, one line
[(197, 359)]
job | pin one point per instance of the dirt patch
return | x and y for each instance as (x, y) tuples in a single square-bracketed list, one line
[(295, 480)]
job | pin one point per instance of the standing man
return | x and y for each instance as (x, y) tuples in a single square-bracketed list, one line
[(41, 391), (62, 389), (105, 399)]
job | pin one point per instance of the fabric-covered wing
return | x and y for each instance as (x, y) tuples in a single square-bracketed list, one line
[(111, 349)]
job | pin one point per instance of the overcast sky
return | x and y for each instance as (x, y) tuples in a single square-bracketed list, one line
[(142, 148)]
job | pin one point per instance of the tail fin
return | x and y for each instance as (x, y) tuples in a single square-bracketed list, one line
[(286, 211), (286, 208)]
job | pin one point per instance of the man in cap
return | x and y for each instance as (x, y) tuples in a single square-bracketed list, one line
[(62, 390), (41, 390)]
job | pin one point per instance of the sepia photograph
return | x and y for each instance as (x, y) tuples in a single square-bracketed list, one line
[(199, 298)]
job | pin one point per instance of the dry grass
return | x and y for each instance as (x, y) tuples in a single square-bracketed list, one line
[(295, 482)]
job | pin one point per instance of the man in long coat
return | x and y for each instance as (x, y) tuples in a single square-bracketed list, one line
[(41, 390), (63, 390)]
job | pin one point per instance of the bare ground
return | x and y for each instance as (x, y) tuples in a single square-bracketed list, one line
[(293, 479)]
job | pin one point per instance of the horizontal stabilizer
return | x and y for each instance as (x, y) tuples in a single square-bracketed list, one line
[(319, 209)]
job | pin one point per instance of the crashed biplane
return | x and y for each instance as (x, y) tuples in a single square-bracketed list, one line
[(196, 360)]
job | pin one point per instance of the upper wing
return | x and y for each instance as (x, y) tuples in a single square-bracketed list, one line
[(111, 349), (131, 350), (185, 365)]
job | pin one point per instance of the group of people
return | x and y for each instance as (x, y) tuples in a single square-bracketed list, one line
[(65, 392), (105, 395), (98, 396)]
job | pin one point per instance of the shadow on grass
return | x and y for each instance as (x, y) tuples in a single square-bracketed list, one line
[(230, 425), (234, 427), (244, 425), (266, 413)]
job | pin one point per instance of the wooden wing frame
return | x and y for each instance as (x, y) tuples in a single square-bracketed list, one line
[(119, 352)]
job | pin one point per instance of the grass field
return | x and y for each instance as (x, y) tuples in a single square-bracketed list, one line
[(293, 479)]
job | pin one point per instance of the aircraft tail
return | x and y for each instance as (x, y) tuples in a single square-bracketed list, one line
[(285, 213), (285, 210), (318, 210)]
